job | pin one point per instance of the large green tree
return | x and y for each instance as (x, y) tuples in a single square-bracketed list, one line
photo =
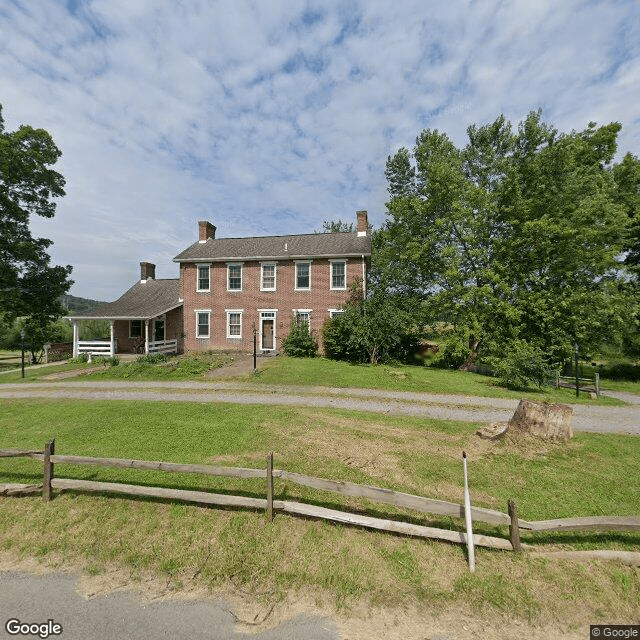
[(514, 236), (29, 285)]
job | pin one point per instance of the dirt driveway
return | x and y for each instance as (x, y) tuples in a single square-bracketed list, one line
[(597, 419)]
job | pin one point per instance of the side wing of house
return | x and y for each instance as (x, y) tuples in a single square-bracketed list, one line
[(147, 318)]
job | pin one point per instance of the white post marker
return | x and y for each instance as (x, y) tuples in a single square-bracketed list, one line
[(467, 517)]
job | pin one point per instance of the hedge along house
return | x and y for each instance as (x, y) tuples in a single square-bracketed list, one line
[(232, 287), (146, 319)]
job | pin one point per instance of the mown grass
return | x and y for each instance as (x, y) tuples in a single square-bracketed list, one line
[(37, 374), (188, 367), (190, 545), (324, 372)]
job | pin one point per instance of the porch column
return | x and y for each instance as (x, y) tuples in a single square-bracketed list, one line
[(113, 342), (146, 337), (75, 338)]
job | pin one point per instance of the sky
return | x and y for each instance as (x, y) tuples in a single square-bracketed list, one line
[(267, 117)]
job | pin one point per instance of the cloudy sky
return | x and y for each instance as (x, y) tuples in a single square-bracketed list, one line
[(269, 116)]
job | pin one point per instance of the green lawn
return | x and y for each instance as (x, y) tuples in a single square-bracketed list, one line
[(324, 372), (196, 546)]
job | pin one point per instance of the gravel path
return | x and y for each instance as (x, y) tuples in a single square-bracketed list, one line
[(446, 407)]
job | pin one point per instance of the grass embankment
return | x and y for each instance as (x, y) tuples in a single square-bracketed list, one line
[(324, 372), (319, 372), (189, 545), (145, 368)]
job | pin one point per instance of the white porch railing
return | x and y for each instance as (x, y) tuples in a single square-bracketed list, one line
[(95, 347), (163, 346)]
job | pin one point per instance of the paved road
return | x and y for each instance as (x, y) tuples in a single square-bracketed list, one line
[(36, 599), (446, 407)]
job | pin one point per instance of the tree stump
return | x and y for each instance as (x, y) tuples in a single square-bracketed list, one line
[(551, 421)]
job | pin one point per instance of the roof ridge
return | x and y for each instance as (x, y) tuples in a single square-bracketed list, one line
[(288, 235)]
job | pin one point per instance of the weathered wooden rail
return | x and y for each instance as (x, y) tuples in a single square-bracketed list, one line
[(367, 492)]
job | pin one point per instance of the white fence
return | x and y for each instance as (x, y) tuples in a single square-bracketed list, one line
[(163, 346), (95, 347)]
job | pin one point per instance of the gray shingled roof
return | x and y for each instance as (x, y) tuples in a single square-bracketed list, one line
[(144, 300), (312, 245)]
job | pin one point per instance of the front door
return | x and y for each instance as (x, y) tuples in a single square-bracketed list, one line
[(267, 333), (159, 330)]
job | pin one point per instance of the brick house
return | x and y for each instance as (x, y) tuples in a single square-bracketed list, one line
[(229, 287)]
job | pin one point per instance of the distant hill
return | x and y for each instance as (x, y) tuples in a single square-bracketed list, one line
[(79, 305)]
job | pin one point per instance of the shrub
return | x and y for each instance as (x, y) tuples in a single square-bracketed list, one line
[(80, 359), (300, 343), (454, 352), (113, 361), (522, 365), (374, 330), (153, 358), (621, 371)]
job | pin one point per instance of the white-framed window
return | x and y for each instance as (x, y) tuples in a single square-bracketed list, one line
[(204, 277), (303, 316), (135, 328), (203, 323), (267, 276), (234, 323), (338, 274), (335, 312), (303, 275), (234, 276)]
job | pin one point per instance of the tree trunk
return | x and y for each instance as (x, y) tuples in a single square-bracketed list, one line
[(544, 420), (474, 345)]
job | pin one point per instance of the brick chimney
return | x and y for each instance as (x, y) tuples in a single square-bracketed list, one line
[(362, 223), (207, 230), (147, 271)]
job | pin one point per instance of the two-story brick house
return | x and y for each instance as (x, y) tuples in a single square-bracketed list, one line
[(229, 287), (233, 286)]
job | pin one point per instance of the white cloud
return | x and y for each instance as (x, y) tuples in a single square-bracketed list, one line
[(272, 117)]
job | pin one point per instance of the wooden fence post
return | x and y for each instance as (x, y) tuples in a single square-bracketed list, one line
[(514, 527), (597, 383), (49, 450), (270, 487)]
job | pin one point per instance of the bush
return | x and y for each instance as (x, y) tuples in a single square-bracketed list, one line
[(153, 358), (522, 365), (454, 352), (300, 343), (113, 361), (621, 371), (80, 359)]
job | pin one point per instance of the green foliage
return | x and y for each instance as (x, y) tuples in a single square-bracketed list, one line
[(515, 236), (621, 371), (336, 226), (300, 343), (28, 186), (376, 329), (455, 350), (152, 358), (79, 359), (523, 365), (77, 305)]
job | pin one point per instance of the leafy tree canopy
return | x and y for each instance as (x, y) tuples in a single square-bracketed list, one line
[(336, 226), (517, 235), (29, 286)]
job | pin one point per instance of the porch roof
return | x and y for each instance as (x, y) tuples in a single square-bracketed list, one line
[(145, 300)]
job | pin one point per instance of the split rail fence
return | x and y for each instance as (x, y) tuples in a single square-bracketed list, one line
[(269, 504), (590, 385)]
